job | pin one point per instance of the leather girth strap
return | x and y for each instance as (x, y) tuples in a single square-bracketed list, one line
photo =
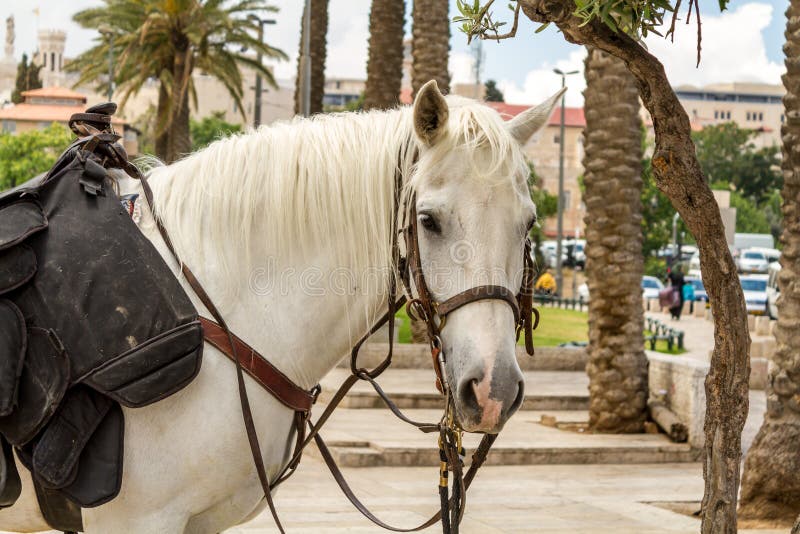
[(267, 375)]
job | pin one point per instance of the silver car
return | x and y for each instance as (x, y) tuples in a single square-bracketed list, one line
[(755, 292), (753, 261)]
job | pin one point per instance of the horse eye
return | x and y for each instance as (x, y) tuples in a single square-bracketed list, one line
[(429, 223)]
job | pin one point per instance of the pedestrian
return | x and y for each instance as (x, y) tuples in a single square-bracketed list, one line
[(676, 282), (688, 295), (546, 284)]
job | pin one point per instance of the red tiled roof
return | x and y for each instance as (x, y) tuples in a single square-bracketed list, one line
[(44, 113), (573, 117), (55, 92)]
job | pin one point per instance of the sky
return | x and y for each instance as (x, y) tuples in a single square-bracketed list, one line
[(743, 43)]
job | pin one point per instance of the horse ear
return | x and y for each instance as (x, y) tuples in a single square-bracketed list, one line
[(430, 113), (527, 123)]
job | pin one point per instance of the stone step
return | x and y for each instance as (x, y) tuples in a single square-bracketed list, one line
[(374, 438), (418, 356), (414, 389)]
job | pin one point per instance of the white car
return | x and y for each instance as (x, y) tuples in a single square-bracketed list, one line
[(753, 261), (755, 292), (651, 286), (772, 289)]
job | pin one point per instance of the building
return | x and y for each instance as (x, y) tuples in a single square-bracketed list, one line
[(42, 107), (50, 56), (756, 106), (341, 91), (543, 151)]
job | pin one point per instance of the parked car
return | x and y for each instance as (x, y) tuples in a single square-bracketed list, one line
[(583, 292), (651, 286), (694, 265), (772, 289), (772, 254), (753, 261), (755, 292), (700, 293)]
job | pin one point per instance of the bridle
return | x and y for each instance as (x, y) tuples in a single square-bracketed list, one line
[(422, 307)]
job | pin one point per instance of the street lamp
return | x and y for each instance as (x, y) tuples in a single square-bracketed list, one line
[(305, 61), (106, 31), (259, 58), (560, 227)]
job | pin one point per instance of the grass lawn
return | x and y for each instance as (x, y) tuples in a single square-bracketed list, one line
[(556, 326)]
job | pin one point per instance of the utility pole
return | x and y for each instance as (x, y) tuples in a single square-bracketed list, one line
[(560, 227), (306, 61), (259, 59)]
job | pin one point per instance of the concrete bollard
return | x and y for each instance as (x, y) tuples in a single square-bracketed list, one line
[(687, 307), (772, 325), (700, 309), (653, 306), (769, 345), (756, 349), (709, 314), (758, 373), (751, 323), (762, 326)]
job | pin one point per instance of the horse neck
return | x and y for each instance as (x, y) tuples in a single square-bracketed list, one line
[(302, 311)]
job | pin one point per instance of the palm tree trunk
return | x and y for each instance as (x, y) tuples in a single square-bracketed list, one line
[(318, 45), (770, 481), (430, 46), (179, 142), (617, 365), (161, 127), (385, 62)]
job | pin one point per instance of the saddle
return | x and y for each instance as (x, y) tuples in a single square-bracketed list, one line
[(91, 318)]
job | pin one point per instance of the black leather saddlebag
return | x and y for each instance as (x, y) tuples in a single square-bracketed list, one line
[(91, 317)]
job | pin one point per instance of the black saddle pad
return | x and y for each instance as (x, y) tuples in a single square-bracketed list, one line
[(90, 317)]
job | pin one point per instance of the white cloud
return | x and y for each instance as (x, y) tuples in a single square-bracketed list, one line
[(733, 49), (542, 82)]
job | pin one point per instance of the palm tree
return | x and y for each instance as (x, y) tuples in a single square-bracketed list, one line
[(430, 45), (770, 481), (318, 49), (617, 365), (385, 62), (166, 40)]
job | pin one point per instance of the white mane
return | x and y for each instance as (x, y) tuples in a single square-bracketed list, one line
[(306, 184)]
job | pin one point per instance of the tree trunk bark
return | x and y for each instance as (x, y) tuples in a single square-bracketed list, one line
[(161, 129), (430, 46), (179, 142), (679, 176), (612, 163), (318, 46), (770, 484), (385, 62)]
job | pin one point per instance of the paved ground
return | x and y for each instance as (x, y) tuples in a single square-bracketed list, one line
[(562, 499)]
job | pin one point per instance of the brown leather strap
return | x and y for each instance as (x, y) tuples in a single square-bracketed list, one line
[(259, 369), (197, 287), (478, 458), (477, 293)]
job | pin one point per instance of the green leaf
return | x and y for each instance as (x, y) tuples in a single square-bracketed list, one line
[(541, 28)]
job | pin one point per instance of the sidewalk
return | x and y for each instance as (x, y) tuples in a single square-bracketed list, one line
[(596, 499)]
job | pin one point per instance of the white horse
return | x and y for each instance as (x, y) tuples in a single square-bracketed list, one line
[(289, 229)]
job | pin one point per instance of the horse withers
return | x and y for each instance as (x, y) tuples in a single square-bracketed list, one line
[(289, 228)]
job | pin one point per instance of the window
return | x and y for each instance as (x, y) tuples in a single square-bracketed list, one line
[(728, 115), (716, 114), (760, 116), (748, 115), (556, 139), (567, 200), (9, 126), (781, 118), (52, 61)]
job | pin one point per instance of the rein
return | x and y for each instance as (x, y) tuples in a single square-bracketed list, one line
[(424, 307)]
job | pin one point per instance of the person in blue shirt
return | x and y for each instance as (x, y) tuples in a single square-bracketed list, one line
[(688, 295)]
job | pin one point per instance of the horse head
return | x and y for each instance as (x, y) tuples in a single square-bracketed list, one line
[(473, 213)]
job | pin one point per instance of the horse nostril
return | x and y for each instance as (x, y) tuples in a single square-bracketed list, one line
[(518, 400), (467, 396)]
